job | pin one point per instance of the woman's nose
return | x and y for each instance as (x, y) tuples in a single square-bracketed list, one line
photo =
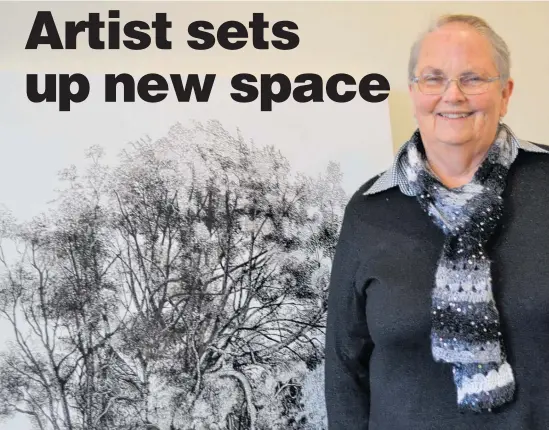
[(453, 92)]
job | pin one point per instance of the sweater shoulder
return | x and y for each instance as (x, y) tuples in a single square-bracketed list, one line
[(354, 202), (531, 157), (358, 195)]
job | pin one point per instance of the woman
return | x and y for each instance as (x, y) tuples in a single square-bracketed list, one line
[(438, 307)]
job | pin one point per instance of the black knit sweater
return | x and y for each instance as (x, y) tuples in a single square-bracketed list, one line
[(379, 371)]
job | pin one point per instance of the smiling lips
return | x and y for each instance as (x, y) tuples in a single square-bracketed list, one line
[(454, 115)]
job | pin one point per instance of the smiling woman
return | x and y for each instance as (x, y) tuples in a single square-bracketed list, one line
[(460, 88), (436, 320)]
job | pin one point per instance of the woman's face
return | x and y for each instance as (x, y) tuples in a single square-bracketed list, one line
[(453, 50)]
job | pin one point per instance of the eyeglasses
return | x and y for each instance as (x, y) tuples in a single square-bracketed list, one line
[(470, 84)]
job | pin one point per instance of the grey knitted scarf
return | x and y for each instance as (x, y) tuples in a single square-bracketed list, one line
[(466, 328)]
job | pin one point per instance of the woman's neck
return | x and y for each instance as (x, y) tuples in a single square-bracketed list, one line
[(455, 165)]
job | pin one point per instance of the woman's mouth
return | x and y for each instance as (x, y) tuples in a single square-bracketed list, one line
[(454, 115)]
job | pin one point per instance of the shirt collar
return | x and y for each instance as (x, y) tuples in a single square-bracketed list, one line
[(394, 177)]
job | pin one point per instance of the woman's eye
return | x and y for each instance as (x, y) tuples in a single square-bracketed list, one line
[(471, 79)]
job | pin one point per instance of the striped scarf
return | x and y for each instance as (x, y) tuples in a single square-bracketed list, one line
[(465, 320)]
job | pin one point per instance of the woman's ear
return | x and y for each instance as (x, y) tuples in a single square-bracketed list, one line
[(506, 93)]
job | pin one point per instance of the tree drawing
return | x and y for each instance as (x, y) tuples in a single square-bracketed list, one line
[(183, 288)]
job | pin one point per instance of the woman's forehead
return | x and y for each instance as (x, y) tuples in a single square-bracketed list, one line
[(466, 70), (444, 64), (455, 43), (453, 51)]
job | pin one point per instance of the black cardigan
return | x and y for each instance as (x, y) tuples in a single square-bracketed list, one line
[(379, 372)]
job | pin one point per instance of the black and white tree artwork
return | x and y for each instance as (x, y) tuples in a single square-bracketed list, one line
[(182, 288)]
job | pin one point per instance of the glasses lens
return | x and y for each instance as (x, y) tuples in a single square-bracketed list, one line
[(473, 84), (432, 84)]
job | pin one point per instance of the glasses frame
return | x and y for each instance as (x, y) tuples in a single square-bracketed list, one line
[(487, 81)]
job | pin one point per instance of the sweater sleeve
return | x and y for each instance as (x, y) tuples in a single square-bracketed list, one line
[(348, 344)]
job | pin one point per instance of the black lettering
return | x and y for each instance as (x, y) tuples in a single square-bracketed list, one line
[(331, 88), (258, 25), (114, 30), (72, 29), (145, 85), (232, 29), (279, 30), (131, 30), (267, 95), (195, 30), (137, 38), (44, 21), (315, 87), (161, 25), (184, 93), (94, 25), (366, 87), (50, 89), (238, 83), (66, 96), (128, 84)]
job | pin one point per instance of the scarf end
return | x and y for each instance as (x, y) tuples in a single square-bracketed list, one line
[(495, 392), (486, 402)]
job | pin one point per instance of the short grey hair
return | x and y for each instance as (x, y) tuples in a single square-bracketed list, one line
[(502, 57)]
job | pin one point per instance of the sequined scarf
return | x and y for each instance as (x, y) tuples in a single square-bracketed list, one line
[(465, 319)]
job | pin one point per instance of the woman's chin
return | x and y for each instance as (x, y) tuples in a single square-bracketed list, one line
[(454, 136)]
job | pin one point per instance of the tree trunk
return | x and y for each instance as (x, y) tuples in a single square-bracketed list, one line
[(247, 388)]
